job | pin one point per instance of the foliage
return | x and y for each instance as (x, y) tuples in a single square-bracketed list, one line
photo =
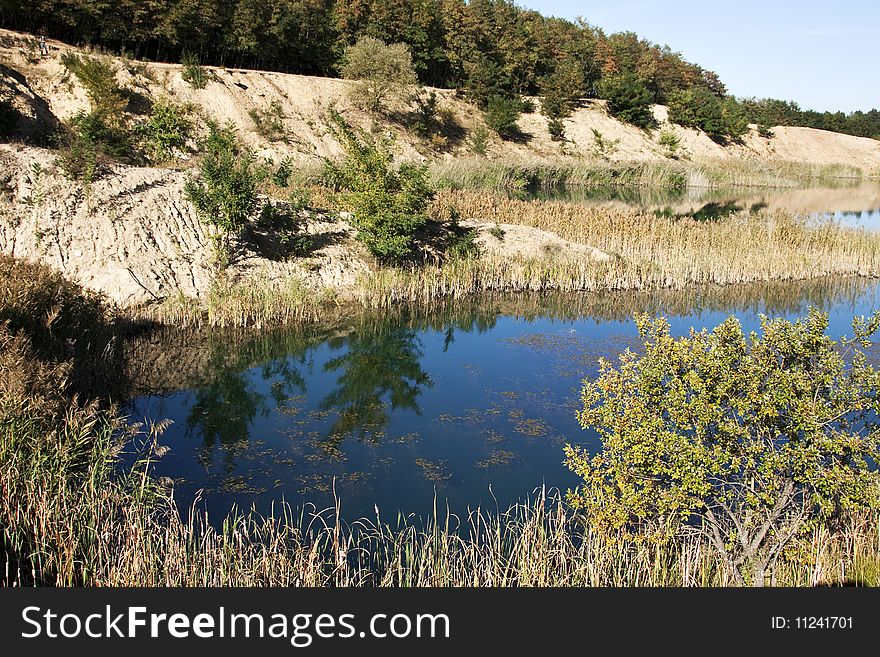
[(628, 99), (78, 157), (670, 141), (765, 132), (770, 111), (502, 113), (478, 140), (388, 203), (561, 91), (383, 72), (193, 73), (166, 130), (486, 47), (281, 175), (425, 121), (98, 76), (603, 147), (225, 192), (269, 121), (720, 118), (750, 440)]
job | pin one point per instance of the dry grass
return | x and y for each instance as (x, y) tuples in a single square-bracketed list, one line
[(481, 174), (648, 252), (70, 515)]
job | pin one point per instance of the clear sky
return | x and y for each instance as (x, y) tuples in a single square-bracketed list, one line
[(825, 55)]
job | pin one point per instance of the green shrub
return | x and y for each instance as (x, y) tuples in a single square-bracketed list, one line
[(502, 113), (98, 76), (628, 99), (225, 193), (388, 203), (750, 439), (193, 73), (765, 132), (478, 140), (281, 175), (603, 147), (269, 121), (78, 157), (425, 122), (166, 130), (697, 107), (561, 91), (383, 72), (670, 141)]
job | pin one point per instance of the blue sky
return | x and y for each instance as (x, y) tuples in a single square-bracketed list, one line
[(823, 55)]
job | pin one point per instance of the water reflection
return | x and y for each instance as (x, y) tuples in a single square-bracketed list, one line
[(394, 409), (853, 202), (379, 372)]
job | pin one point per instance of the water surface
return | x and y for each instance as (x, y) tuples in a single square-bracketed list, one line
[(855, 205), (467, 405)]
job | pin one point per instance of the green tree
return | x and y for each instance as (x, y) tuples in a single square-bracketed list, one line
[(561, 91), (383, 72), (502, 113), (167, 130), (697, 107), (388, 202), (225, 192), (749, 440), (628, 99)]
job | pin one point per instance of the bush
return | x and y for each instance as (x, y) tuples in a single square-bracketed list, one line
[(670, 141), (697, 107), (502, 113), (98, 76), (225, 193), (89, 139), (749, 440), (167, 130), (765, 132), (425, 121), (383, 72), (269, 121), (193, 73), (478, 140), (78, 157), (628, 99), (561, 91), (603, 147), (388, 204), (556, 128)]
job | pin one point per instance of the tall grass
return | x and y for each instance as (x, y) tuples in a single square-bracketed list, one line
[(71, 515), (536, 174), (646, 252)]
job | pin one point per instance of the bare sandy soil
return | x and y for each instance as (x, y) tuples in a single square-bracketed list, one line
[(50, 92), (133, 236)]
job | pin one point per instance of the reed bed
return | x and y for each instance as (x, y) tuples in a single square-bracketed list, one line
[(71, 515), (69, 520), (536, 174), (646, 252)]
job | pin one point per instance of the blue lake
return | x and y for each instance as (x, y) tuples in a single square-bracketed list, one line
[(466, 405)]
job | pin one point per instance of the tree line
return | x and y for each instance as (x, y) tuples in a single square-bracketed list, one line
[(491, 49)]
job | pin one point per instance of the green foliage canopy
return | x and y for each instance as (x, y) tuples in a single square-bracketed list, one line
[(747, 439), (628, 99), (388, 202)]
